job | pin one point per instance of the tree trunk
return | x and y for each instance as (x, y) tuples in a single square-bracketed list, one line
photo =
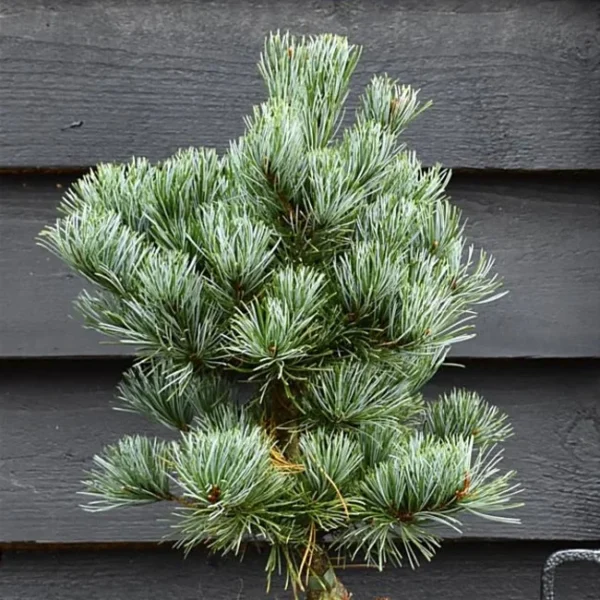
[(323, 583), (338, 592)]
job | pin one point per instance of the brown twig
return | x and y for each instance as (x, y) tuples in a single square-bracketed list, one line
[(180, 500)]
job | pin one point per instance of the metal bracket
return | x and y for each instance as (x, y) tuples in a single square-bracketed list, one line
[(558, 558)]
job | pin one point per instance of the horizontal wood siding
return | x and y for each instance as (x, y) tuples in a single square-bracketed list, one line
[(515, 84), (462, 570), (516, 91), (56, 415), (543, 231)]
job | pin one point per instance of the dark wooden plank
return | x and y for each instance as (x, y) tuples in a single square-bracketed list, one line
[(515, 85), (37, 289), (542, 229), (55, 415), (496, 571)]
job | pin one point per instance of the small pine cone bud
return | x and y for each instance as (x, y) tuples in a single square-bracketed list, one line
[(214, 494), (404, 517), (290, 52)]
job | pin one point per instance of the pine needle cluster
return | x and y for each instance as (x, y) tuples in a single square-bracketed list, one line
[(329, 269)]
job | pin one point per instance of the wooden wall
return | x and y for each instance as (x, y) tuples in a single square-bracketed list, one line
[(516, 87)]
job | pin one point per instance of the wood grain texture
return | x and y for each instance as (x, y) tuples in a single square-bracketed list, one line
[(515, 84), (476, 571), (54, 415), (542, 229)]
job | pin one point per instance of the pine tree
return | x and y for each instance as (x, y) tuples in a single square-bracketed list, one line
[(328, 270)]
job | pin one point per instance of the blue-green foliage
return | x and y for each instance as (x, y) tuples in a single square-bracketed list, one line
[(329, 268)]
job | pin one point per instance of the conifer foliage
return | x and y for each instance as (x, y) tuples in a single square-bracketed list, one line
[(329, 269)]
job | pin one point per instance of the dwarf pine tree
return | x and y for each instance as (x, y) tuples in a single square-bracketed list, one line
[(330, 270)]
